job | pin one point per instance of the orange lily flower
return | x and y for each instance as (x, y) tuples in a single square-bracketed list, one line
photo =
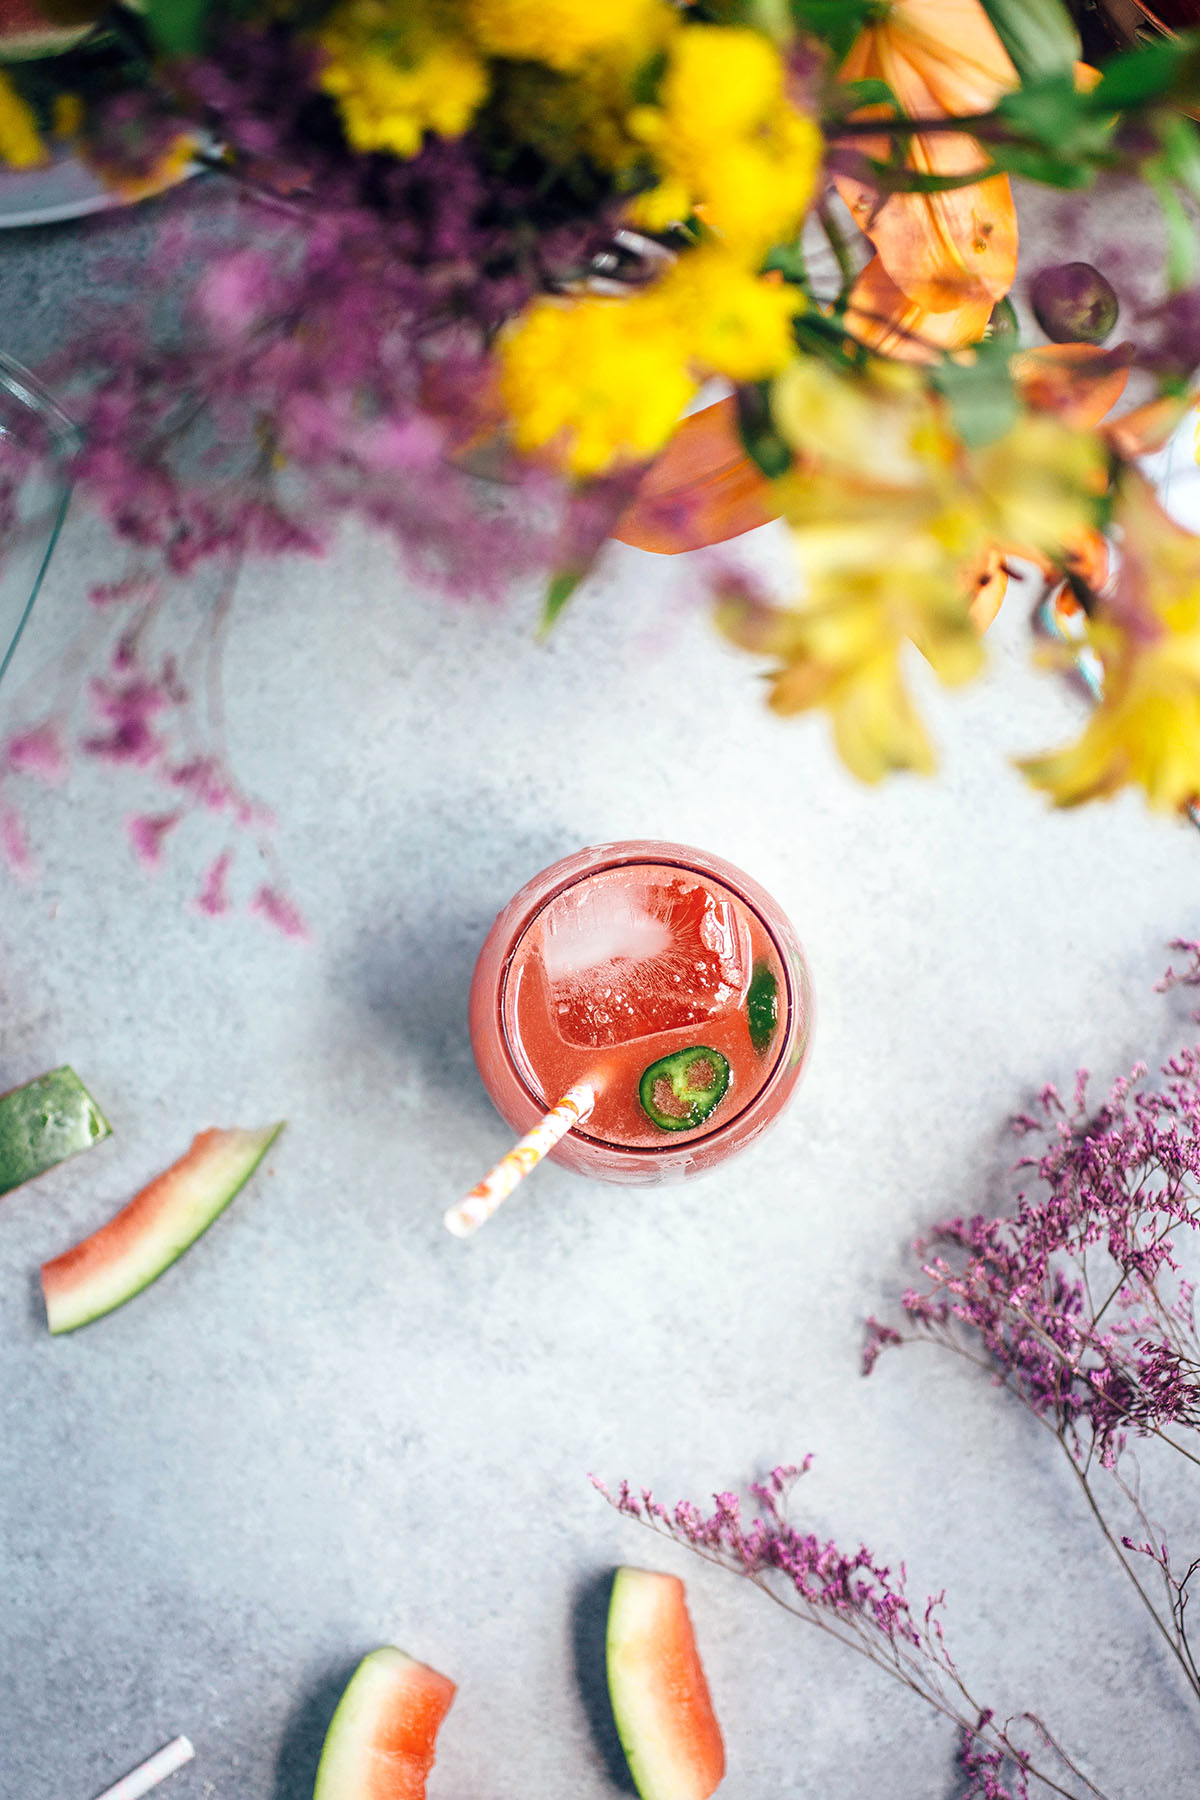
[(1081, 383), (883, 318), (941, 59), (703, 489)]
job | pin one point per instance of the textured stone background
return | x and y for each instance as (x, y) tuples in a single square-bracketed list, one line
[(332, 1425)]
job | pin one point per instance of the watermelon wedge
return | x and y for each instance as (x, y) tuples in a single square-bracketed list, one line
[(154, 1230), (43, 1123), (659, 1695), (380, 1742)]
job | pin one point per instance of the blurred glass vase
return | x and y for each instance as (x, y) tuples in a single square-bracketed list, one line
[(37, 443)]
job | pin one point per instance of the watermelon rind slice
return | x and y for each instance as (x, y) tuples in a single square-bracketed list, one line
[(154, 1230), (380, 1742), (659, 1695), (43, 1123)]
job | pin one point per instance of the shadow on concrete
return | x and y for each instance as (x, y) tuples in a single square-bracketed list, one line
[(589, 1623), (409, 978), (304, 1733)]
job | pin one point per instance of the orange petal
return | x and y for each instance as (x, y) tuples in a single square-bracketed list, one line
[(940, 58), (1147, 427), (883, 318), (703, 489), (1079, 382), (1090, 560), (990, 581)]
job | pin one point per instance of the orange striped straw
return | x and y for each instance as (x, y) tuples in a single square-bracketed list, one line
[(494, 1189)]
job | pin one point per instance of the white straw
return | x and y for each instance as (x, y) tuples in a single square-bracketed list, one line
[(147, 1775), (496, 1186)]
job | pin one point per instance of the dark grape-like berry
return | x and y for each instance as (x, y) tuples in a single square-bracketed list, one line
[(1074, 304)]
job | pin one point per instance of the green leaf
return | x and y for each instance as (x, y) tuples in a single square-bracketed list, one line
[(1180, 142), (1052, 114), (787, 260), (1004, 323), (1183, 250), (980, 394), (1147, 73), (899, 178), (869, 93), (765, 445), (561, 587), (1043, 166), (836, 22), (1038, 35), (177, 27)]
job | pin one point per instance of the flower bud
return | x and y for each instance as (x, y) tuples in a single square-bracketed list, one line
[(1073, 303)]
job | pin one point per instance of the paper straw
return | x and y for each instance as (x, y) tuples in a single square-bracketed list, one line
[(495, 1188), (147, 1775)]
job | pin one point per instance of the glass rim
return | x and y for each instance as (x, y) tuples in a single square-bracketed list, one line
[(65, 439)]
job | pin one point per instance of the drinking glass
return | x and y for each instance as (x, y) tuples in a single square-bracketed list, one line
[(508, 1063)]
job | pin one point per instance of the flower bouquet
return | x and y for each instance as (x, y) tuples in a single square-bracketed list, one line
[(446, 239)]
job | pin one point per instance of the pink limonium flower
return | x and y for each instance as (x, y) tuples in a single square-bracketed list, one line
[(1078, 1301), (213, 897), (147, 832), (853, 1597), (38, 751)]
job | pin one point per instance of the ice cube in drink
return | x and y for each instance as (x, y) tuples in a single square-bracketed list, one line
[(623, 960)]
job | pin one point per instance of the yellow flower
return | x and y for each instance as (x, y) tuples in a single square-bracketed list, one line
[(600, 380), (565, 33), (726, 140), (20, 145), (737, 323), (1147, 728), (891, 519), (397, 72), (603, 381), (68, 115)]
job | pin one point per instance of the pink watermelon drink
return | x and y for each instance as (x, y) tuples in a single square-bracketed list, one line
[(667, 981)]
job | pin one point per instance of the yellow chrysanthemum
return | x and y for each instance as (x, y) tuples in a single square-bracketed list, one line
[(564, 33), (600, 385), (1146, 730), (20, 145), (396, 73), (726, 140), (736, 323), (603, 381)]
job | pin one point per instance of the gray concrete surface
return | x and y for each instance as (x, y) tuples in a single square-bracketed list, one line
[(332, 1425)]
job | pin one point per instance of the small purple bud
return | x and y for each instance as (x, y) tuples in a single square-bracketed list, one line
[(1074, 304)]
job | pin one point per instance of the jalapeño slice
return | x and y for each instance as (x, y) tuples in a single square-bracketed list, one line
[(679, 1092), (762, 1007)]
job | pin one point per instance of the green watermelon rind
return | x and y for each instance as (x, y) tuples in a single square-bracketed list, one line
[(370, 1692), (649, 1720), (43, 1123), (206, 1180)]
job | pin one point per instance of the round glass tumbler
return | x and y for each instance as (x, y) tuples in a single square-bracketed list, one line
[(621, 957)]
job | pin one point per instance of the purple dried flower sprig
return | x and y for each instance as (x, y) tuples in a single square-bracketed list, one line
[(858, 1600), (1078, 1304)]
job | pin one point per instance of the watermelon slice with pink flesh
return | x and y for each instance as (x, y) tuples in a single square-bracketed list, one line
[(154, 1230), (660, 1698), (380, 1742)]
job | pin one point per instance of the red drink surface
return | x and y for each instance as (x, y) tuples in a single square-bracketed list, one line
[(623, 955)]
